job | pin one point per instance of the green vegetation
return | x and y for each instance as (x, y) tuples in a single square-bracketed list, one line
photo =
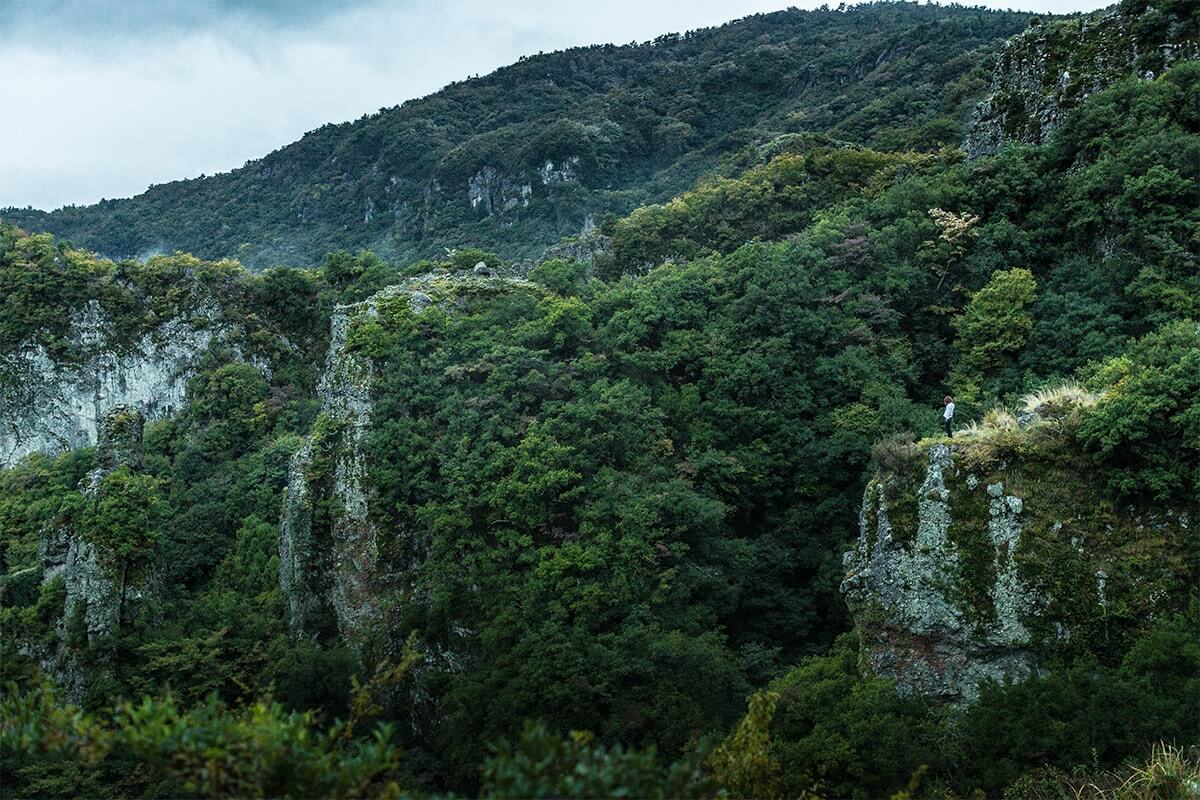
[(611, 501), (589, 131)]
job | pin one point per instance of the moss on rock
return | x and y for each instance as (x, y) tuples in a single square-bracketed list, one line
[(1015, 557)]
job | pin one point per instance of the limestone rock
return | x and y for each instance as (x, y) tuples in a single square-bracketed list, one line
[(329, 565), (913, 628), (493, 192), (51, 406), (971, 567), (93, 595)]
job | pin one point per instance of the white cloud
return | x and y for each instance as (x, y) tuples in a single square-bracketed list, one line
[(103, 104)]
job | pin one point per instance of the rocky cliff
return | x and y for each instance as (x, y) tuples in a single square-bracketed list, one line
[(53, 404), (92, 594), (985, 556), (332, 559), (1049, 69), (330, 569)]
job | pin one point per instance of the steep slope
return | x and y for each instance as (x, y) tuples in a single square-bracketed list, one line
[(329, 543), (1051, 68), (989, 555), (81, 336), (538, 150)]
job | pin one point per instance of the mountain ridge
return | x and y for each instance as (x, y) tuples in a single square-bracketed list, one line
[(540, 149)]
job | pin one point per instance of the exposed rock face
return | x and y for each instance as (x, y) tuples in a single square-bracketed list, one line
[(918, 633), (93, 595), (329, 545), (566, 171), (970, 568), (492, 192), (50, 406), (343, 574), (589, 246), (1046, 71)]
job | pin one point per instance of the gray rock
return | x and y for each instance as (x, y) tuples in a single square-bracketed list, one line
[(94, 593), (492, 192), (1042, 74), (913, 627), (51, 407), (420, 301), (341, 571)]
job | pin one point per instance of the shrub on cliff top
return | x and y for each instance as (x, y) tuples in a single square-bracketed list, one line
[(1146, 425)]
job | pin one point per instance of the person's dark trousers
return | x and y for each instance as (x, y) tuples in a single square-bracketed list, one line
[(949, 432)]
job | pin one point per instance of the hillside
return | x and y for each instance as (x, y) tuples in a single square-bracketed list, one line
[(536, 151), (668, 514)]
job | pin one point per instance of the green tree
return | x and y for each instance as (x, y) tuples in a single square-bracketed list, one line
[(123, 517), (993, 329), (744, 763), (1146, 425)]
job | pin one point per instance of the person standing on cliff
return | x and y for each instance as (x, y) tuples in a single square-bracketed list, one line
[(948, 415)]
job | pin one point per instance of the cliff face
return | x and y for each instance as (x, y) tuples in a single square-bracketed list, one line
[(332, 560), (50, 406), (92, 595), (984, 557), (330, 568), (1049, 69)]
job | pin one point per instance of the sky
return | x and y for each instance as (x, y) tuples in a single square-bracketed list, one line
[(103, 98)]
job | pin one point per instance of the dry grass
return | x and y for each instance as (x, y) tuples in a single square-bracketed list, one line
[(1171, 773), (1048, 406), (1040, 418), (1000, 419), (1058, 398)]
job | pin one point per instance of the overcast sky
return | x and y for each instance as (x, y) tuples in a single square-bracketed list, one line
[(103, 97)]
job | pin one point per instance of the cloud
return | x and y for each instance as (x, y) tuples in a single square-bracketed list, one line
[(105, 97), (135, 18)]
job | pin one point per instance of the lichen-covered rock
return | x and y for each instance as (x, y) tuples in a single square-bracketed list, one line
[(93, 595), (589, 246), (979, 563), (335, 565), (493, 192), (901, 587), (52, 406), (1049, 69)]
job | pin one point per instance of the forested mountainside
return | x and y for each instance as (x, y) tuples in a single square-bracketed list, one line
[(539, 150), (668, 513)]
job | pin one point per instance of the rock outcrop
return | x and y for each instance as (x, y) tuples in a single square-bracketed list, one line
[(337, 565), (93, 595), (330, 568), (492, 192), (973, 563), (51, 406), (1049, 69), (916, 630)]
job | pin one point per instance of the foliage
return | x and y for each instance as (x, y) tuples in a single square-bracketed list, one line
[(1146, 424), (994, 327), (838, 734), (743, 764), (588, 130), (765, 202), (123, 517), (540, 764), (618, 503), (209, 750)]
